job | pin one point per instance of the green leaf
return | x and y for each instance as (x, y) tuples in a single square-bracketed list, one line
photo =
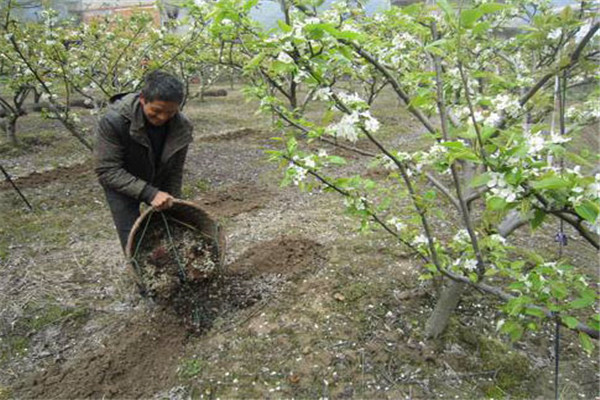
[(255, 61), (454, 145), (559, 290), (551, 183), (431, 267), (536, 312), (468, 17), (513, 329), (283, 26), (588, 210), (480, 180), (430, 195), (488, 8), (586, 342), (446, 7), (570, 322), (336, 160), (481, 27), (538, 218), (582, 302), (496, 203), (291, 145)]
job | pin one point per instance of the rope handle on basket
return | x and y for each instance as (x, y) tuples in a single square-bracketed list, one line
[(172, 245), (134, 260)]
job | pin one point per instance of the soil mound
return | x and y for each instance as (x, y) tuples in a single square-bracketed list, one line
[(283, 255), (137, 362)]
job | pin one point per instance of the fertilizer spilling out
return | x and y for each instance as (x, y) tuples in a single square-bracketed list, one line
[(172, 254)]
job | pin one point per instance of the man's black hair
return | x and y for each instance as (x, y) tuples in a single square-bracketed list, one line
[(162, 86)]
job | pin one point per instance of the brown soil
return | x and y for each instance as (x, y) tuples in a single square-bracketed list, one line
[(36, 179), (283, 255), (234, 200), (134, 363), (141, 359)]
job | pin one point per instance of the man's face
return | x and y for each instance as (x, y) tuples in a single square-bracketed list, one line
[(159, 112)]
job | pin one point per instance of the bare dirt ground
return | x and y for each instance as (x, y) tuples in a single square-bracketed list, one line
[(307, 308)]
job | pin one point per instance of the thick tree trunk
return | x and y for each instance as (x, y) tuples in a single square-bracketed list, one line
[(444, 307)]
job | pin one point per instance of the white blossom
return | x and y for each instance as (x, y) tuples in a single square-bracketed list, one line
[(397, 224), (557, 138), (461, 236), (309, 162), (470, 265), (507, 104), (535, 143), (509, 193), (498, 238), (346, 128), (554, 34), (493, 119), (420, 239), (351, 100), (371, 124), (285, 58), (594, 188), (496, 180), (298, 173), (323, 94)]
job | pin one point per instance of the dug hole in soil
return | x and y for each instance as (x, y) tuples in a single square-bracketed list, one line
[(141, 359)]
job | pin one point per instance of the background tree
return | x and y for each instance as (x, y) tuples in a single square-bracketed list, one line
[(486, 103)]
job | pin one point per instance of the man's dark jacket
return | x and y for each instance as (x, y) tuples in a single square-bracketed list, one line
[(124, 157)]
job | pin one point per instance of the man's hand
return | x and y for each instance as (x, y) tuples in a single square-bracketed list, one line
[(162, 201)]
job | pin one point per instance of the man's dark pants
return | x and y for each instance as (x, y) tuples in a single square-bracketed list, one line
[(125, 210)]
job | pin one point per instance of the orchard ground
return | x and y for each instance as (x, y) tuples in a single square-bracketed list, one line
[(319, 310)]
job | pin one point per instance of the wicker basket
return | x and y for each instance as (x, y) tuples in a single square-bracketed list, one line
[(185, 214)]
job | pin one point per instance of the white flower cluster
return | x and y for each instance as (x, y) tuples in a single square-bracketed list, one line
[(348, 128), (298, 168), (436, 153), (420, 240), (555, 34), (500, 188), (469, 264), (396, 223), (461, 236), (389, 164), (506, 104), (355, 202), (285, 58), (351, 100), (297, 172), (587, 112), (323, 94), (498, 239)]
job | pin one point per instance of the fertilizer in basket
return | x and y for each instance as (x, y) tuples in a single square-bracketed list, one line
[(170, 254)]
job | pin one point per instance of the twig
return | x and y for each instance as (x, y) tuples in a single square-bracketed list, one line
[(16, 188)]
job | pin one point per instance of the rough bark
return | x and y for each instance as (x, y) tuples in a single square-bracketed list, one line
[(444, 307)]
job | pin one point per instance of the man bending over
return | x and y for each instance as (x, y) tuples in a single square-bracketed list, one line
[(142, 143)]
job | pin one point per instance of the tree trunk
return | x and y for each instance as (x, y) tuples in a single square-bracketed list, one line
[(448, 301), (11, 130), (444, 307)]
